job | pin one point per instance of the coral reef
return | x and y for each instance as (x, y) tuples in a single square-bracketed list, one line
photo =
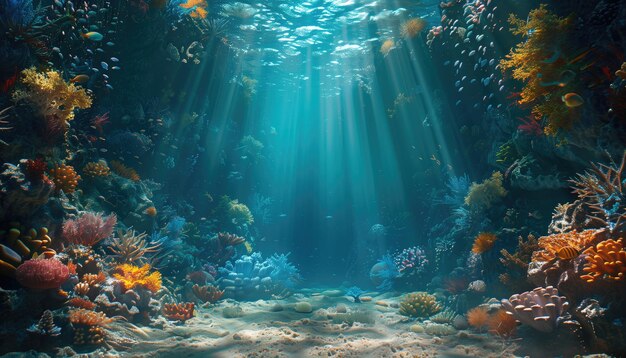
[(89, 326), (89, 228), (483, 242), (542, 308), (42, 274), (178, 311), (208, 293), (549, 246), (130, 248), (65, 178), (605, 261), (419, 305), (483, 195), (21, 197), (96, 169), (45, 326), (131, 276)]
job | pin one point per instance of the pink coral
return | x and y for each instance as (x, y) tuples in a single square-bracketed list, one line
[(89, 228), (42, 273)]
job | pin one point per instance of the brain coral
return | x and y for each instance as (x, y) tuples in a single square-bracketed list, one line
[(42, 273)]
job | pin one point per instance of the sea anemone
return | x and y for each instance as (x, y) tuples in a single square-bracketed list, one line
[(483, 242)]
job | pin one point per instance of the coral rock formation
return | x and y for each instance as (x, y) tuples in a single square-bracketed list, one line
[(541, 308)]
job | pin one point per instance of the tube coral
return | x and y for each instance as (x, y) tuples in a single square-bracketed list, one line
[(606, 261)]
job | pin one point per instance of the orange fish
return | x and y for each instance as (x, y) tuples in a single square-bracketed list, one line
[(572, 100), (567, 253)]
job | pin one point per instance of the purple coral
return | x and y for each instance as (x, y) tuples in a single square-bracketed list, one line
[(541, 308), (89, 228)]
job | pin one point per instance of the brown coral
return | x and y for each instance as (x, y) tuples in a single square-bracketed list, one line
[(552, 244), (96, 169), (178, 311), (65, 178), (521, 257), (208, 293), (125, 172), (89, 326), (607, 261), (79, 302), (93, 279), (484, 242)]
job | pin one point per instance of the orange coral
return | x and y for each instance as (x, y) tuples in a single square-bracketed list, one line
[(484, 242), (96, 169), (80, 302), (124, 171), (88, 326), (208, 293), (552, 244), (478, 317), (412, 27), (65, 178), (131, 276), (198, 8), (81, 288), (178, 311), (93, 279), (607, 261), (502, 324)]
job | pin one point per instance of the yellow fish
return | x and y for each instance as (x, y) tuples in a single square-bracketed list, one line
[(567, 253), (572, 100)]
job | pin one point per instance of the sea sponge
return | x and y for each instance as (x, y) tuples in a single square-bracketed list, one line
[(419, 305), (131, 276), (178, 311), (96, 169), (50, 95), (483, 242), (42, 274), (482, 196), (607, 261), (412, 27), (65, 178)]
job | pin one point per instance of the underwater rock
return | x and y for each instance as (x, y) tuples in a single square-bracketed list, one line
[(303, 307), (136, 305), (277, 307), (232, 312), (20, 197)]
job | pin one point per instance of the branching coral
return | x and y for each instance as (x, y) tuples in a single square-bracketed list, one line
[(178, 311), (128, 247), (65, 178), (552, 244), (520, 258), (124, 171), (482, 196), (50, 95), (89, 228), (419, 305), (538, 63), (541, 308), (96, 169), (603, 190), (208, 293), (483, 242), (607, 261), (131, 276)]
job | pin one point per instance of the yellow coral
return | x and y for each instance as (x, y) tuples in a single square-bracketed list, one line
[(538, 61), (482, 196), (552, 244), (131, 276), (606, 261), (50, 95), (419, 304)]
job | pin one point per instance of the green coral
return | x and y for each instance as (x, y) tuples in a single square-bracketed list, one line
[(419, 305), (239, 214), (482, 196)]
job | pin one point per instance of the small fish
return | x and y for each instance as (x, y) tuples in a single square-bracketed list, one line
[(567, 253), (93, 36), (80, 79), (114, 59), (572, 100), (104, 65)]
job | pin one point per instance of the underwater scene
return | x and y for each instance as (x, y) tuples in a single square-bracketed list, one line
[(312, 178)]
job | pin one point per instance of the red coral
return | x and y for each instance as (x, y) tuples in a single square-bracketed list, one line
[(89, 228), (35, 169), (42, 273)]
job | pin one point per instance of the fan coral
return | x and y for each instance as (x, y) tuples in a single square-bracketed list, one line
[(501, 324), (482, 196), (603, 190), (128, 247), (541, 308), (483, 242), (477, 317), (96, 169), (178, 311), (88, 326), (65, 178), (42, 274), (79, 302), (208, 293), (355, 293), (607, 261), (131, 276), (538, 61), (89, 228), (50, 95), (419, 305), (45, 326), (552, 244), (412, 27), (124, 171)]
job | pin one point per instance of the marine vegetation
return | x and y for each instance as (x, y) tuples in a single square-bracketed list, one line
[(419, 305), (482, 196)]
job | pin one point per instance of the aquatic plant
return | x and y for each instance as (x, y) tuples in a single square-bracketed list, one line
[(89, 326), (603, 190), (50, 95), (65, 178), (96, 169), (478, 318), (355, 293), (125, 172), (541, 308), (45, 326), (178, 311), (483, 242), (419, 305), (384, 272), (551, 245), (536, 62), (131, 276), (412, 27), (88, 228), (129, 248), (207, 293), (607, 261), (42, 274), (482, 196)]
